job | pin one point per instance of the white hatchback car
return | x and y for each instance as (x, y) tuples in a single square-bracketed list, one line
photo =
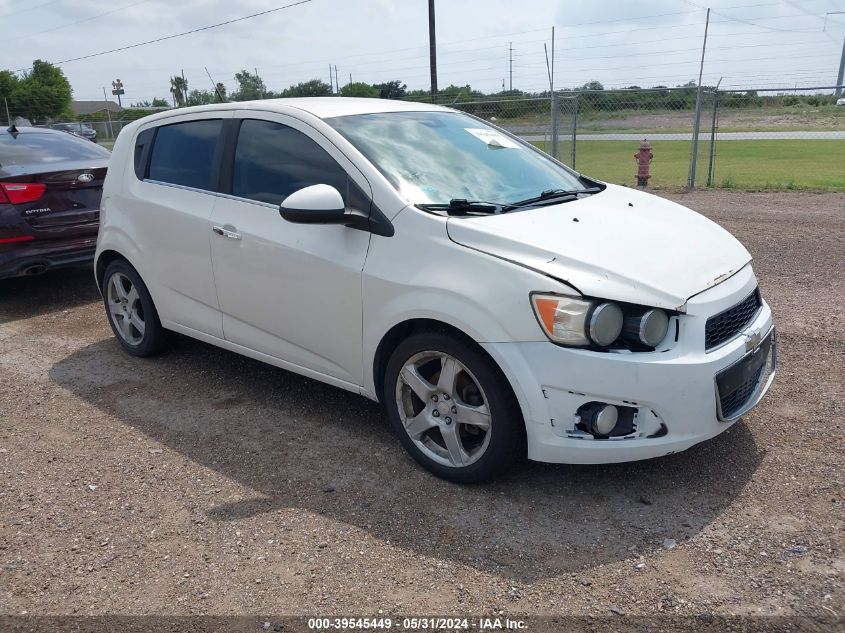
[(497, 303)]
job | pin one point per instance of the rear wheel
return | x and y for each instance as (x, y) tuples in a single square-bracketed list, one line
[(130, 310), (452, 408)]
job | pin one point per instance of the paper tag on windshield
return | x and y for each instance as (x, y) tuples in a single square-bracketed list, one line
[(493, 138)]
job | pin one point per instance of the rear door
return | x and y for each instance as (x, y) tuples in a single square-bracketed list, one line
[(54, 181), (169, 201)]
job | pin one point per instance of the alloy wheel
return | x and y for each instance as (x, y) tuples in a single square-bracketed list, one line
[(443, 409), (125, 309)]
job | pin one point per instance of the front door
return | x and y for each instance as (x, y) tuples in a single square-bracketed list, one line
[(292, 291)]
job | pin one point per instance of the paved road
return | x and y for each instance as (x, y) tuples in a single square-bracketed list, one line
[(722, 136)]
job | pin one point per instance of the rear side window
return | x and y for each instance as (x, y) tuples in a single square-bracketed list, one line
[(183, 154), (273, 160), (44, 148), (142, 152)]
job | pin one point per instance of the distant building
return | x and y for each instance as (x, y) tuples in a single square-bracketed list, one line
[(90, 107)]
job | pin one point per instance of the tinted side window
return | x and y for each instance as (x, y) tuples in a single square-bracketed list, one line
[(183, 154), (142, 151), (273, 160)]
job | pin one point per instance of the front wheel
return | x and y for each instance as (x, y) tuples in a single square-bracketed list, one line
[(452, 408)]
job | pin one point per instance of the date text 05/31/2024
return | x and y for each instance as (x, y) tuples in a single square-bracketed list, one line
[(416, 624)]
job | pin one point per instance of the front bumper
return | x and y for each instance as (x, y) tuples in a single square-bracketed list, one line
[(673, 390)]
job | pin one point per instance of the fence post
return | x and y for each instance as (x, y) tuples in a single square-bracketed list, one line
[(696, 128), (554, 124), (713, 139), (574, 128)]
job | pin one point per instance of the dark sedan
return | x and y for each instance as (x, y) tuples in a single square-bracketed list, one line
[(80, 129), (50, 188)]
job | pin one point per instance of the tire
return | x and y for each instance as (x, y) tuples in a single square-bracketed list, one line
[(130, 310), (443, 428)]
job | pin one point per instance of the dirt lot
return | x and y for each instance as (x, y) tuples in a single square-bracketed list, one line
[(204, 482)]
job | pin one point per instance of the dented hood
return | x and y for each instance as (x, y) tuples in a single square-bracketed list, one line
[(620, 244)]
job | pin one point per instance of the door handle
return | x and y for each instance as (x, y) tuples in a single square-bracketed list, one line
[(228, 231)]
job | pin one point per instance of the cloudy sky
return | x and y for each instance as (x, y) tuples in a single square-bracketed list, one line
[(759, 43)]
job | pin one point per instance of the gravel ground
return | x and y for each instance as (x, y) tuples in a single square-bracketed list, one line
[(201, 482)]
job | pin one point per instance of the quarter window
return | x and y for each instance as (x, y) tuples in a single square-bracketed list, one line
[(273, 160), (183, 154), (142, 151)]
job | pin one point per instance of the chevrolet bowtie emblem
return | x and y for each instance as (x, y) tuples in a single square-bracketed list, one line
[(753, 341)]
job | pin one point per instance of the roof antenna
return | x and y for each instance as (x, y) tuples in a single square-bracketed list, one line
[(13, 130)]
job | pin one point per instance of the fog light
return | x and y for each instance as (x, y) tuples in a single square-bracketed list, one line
[(604, 421), (599, 419)]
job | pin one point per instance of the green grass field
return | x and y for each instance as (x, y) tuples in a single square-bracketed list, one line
[(764, 164)]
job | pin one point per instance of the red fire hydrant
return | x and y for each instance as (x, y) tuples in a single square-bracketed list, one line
[(643, 157)]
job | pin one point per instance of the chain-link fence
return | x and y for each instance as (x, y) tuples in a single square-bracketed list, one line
[(749, 139), (752, 139)]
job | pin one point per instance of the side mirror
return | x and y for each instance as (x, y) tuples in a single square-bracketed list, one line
[(317, 204)]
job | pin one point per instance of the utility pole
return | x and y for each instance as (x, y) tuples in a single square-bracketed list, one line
[(108, 113), (331, 79), (510, 65), (9, 116), (841, 76), (336, 82), (432, 51), (697, 124)]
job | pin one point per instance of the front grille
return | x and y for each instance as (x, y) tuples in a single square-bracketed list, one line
[(725, 325), (733, 402)]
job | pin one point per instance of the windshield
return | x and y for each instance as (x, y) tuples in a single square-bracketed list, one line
[(435, 157)]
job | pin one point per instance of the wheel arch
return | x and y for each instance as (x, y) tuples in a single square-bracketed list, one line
[(409, 327), (103, 260)]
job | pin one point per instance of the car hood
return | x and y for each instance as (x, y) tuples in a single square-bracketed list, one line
[(620, 244)]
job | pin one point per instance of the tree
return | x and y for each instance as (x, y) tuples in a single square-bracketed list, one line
[(391, 90), (419, 95), (313, 88), (220, 91), (455, 94), (250, 86), (8, 82), (42, 93), (592, 85), (160, 103), (179, 90), (359, 89), (200, 97)]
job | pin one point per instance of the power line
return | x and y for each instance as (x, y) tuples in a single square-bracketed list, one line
[(749, 22), (14, 13), (174, 36), (64, 26)]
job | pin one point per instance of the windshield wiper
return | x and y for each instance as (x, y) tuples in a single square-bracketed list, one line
[(552, 195), (461, 206)]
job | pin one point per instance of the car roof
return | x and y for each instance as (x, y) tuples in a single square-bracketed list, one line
[(321, 107)]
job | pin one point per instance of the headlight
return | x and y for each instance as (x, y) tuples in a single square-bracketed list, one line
[(571, 321), (648, 328)]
